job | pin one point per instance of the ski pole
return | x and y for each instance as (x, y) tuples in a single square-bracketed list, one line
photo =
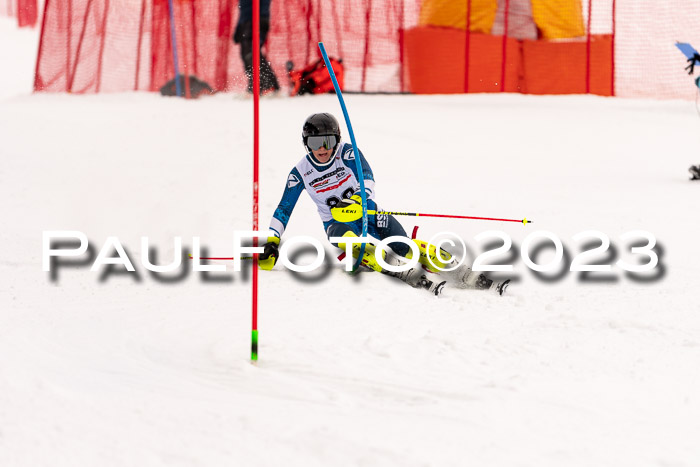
[(354, 212)]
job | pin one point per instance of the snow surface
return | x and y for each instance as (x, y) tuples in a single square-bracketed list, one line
[(122, 369)]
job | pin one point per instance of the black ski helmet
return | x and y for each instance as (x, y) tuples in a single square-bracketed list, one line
[(320, 125)]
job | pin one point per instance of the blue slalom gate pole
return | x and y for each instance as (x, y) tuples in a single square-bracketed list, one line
[(173, 37), (354, 149)]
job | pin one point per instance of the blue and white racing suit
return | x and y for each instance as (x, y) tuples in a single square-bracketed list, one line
[(327, 185)]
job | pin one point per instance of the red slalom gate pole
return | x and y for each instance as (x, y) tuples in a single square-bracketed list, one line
[(256, 114)]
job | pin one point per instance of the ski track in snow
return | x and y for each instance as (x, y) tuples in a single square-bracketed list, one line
[(360, 370)]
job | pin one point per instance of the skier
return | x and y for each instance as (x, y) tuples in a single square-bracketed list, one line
[(694, 169), (243, 35), (328, 172), (694, 172)]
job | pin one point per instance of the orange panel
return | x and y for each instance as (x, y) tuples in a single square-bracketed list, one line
[(560, 67), (435, 61), (601, 64)]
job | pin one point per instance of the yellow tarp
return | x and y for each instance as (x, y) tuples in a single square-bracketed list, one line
[(558, 19), (453, 14)]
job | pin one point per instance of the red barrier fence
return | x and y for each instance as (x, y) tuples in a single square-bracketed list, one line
[(611, 47)]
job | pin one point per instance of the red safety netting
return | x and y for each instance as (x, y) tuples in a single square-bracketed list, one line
[(8, 8), (109, 45), (647, 64), (119, 45), (366, 35), (26, 11)]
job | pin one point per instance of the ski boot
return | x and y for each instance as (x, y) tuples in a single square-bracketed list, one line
[(464, 278), (501, 287), (694, 172), (433, 287), (416, 277), (483, 282)]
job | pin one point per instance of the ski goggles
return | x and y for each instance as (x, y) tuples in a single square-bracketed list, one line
[(317, 142)]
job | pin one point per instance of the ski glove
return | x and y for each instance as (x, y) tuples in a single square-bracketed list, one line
[(267, 259), (348, 210), (354, 199)]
